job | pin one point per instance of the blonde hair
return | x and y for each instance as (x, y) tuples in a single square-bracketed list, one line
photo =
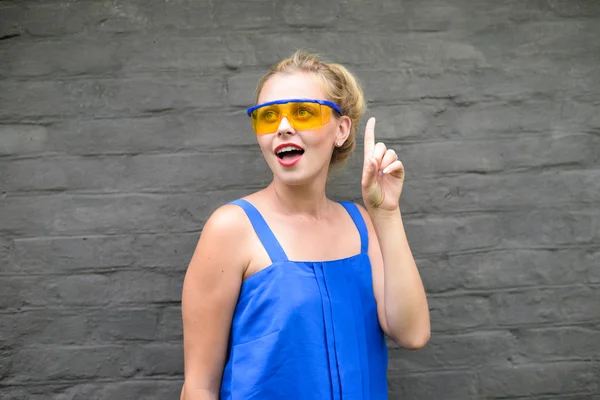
[(340, 86)]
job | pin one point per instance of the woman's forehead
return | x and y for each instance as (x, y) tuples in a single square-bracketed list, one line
[(291, 86)]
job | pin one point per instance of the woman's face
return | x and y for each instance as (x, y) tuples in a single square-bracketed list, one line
[(299, 167)]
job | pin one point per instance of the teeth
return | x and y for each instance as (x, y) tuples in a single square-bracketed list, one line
[(287, 148)]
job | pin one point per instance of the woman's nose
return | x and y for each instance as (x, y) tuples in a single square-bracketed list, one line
[(285, 126)]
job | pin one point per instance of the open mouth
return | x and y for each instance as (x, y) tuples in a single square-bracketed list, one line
[(289, 152)]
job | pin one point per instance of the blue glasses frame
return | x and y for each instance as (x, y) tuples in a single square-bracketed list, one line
[(322, 102)]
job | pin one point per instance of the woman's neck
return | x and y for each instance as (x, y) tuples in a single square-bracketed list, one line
[(310, 199)]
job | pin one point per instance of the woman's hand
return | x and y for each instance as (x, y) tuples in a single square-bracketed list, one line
[(383, 174)]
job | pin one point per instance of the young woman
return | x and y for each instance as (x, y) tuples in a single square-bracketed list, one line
[(289, 294)]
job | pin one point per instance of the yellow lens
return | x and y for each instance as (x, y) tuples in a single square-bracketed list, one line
[(267, 119)]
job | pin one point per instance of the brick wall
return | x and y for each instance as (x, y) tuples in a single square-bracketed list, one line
[(122, 128)]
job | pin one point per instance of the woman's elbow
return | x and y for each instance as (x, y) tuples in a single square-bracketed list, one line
[(415, 341), (191, 393)]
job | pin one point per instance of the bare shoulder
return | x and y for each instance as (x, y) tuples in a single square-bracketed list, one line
[(228, 219), (223, 238)]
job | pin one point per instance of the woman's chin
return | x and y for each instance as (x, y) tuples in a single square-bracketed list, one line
[(293, 179), (296, 174)]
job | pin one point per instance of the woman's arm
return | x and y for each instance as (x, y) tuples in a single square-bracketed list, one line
[(402, 303), (210, 292)]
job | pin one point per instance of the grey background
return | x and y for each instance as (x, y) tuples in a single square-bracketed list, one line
[(122, 128)]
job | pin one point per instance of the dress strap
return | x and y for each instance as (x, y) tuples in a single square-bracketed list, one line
[(360, 224), (266, 236)]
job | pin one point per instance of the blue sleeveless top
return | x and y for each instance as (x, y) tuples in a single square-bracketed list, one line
[(306, 330)]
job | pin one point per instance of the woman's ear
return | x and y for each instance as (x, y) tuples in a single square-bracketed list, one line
[(344, 126)]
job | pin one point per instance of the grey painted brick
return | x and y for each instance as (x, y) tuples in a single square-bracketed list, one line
[(38, 392), (459, 313), (567, 149), (244, 15), (158, 359), (41, 326), (22, 393), (58, 362), (471, 192), (406, 16), (9, 25), (517, 307), (577, 8), (426, 83), (311, 13), (442, 385), (69, 362), (60, 58), (405, 121), (6, 357), (57, 17), (431, 158), (241, 89), (591, 258), (122, 324), (171, 325), (449, 234), (482, 156), (22, 139), (167, 133), (160, 16), (119, 287), (551, 227), (495, 119), (154, 389), (188, 171), (60, 255), (530, 306), (537, 379), (560, 343), (389, 51), (572, 396), (107, 97), (421, 84), (183, 52), (6, 249), (118, 213), (139, 172), (63, 326), (539, 44), (102, 54), (455, 351), (507, 268), (456, 16), (68, 290)]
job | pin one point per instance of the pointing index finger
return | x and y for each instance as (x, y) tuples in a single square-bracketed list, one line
[(369, 138)]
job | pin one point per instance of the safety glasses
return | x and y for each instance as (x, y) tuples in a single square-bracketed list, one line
[(303, 114)]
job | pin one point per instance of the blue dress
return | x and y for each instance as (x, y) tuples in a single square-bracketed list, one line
[(306, 330)]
